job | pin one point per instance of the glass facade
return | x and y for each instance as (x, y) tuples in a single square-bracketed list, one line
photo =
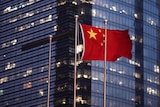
[(135, 82), (25, 26)]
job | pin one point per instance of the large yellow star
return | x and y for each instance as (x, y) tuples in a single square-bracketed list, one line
[(92, 34)]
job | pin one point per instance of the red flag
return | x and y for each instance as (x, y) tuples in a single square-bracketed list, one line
[(118, 43)]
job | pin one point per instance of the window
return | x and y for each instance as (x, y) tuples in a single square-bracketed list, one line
[(28, 72), (19, 6), (79, 99), (9, 43), (156, 69), (41, 92), (1, 92), (10, 65), (27, 85), (3, 79), (153, 91), (137, 75), (32, 24)]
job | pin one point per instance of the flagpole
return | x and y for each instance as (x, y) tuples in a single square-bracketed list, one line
[(49, 69), (75, 58), (105, 62)]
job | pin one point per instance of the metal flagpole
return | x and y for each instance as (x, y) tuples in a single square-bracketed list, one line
[(105, 56), (49, 69), (75, 59)]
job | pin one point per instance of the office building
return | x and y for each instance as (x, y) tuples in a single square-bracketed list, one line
[(25, 27)]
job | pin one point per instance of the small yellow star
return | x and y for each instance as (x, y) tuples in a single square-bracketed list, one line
[(99, 30), (92, 34), (101, 43)]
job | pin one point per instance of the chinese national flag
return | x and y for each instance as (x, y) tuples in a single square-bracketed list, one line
[(118, 43)]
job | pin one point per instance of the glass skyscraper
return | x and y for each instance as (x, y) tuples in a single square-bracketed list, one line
[(25, 27)]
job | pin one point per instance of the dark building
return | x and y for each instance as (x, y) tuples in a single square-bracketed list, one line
[(25, 27)]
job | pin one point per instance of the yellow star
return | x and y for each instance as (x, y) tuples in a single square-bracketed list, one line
[(101, 43), (99, 30), (92, 34)]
